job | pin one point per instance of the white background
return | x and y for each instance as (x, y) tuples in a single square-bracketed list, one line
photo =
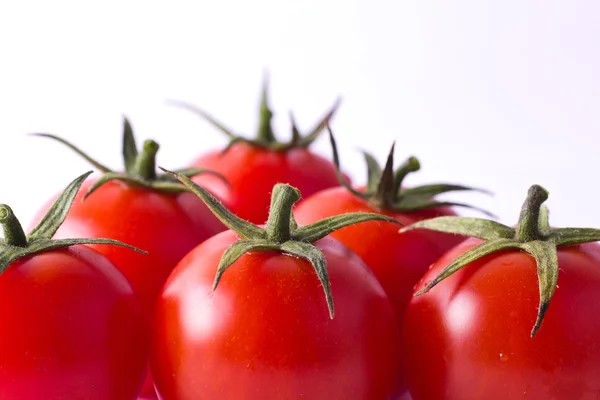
[(496, 94)]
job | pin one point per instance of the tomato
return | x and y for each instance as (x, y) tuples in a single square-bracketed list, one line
[(397, 260), (266, 332), (400, 259), (470, 336), (252, 171), (253, 167), (146, 210), (72, 325)]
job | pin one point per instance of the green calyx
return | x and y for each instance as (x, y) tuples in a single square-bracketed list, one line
[(265, 137), (17, 245), (281, 232), (384, 186), (532, 235), (140, 165)]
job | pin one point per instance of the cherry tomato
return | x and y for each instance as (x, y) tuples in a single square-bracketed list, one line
[(397, 260), (72, 329), (511, 317), (253, 166), (252, 171), (145, 209), (469, 337), (266, 332)]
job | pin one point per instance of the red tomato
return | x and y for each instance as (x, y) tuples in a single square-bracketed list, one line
[(253, 166), (469, 337), (265, 333), (400, 259), (72, 329), (166, 225), (510, 317), (253, 171), (136, 209)]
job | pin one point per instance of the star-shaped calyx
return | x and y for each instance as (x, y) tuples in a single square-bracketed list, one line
[(281, 232), (17, 245), (532, 235), (384, 186), (265, 137), (140, 165)]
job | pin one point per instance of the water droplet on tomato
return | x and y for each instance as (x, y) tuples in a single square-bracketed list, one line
[(503, 357)]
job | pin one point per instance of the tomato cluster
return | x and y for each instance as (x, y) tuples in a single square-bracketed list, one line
[(261, 272)]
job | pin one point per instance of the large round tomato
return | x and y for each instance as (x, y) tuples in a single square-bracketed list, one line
[(265, 332), (71, 329), (469, 337)]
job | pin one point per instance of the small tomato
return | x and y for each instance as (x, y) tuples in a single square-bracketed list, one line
[(265, 332)]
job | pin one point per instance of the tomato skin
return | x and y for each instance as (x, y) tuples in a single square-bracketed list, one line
[(252, 172), (469, 337), (72, 328), (397, 260), (265, 332), (167, 226)]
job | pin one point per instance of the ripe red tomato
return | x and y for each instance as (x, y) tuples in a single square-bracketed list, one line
[(253, 167), (253, 171), (146, 210), (72, 327), (400, 259), (470, 336), (265, 332)]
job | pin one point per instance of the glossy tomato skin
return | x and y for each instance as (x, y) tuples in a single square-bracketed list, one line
[(469, 337), (397, 260), (252, 172), (167, 226), (72, 329), (265, 332)]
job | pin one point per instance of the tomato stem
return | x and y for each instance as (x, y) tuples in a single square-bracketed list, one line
[(528, 226), (145, 163), (384, 186), (13, 231), (265, 133), (280, 217), (410, 165)]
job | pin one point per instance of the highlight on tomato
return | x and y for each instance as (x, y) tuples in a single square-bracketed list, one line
[(253, 166), (510, 313), (72, 327), (144, 208), (275, 312)]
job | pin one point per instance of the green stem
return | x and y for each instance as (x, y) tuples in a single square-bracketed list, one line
[(265, 129), (13, 231), (282, 200), (410, 165), (145, 164), (528, 226)]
